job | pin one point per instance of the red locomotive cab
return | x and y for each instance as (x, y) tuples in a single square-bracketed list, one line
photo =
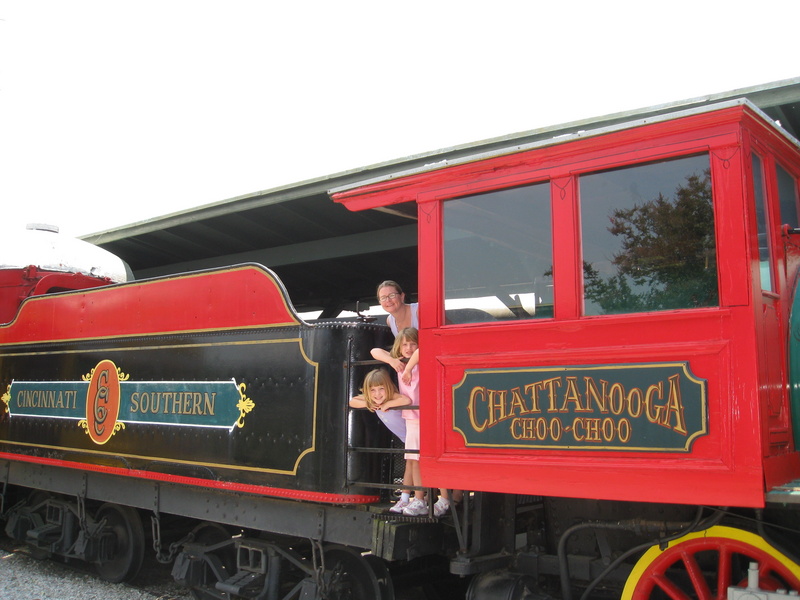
[(39, 261), (605, 315)]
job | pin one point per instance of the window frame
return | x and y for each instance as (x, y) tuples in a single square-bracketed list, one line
[(561, 167)]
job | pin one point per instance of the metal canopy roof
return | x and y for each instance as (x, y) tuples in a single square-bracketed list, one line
[(329, 257)]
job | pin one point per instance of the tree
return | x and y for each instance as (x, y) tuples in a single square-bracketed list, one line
[(667, 256)]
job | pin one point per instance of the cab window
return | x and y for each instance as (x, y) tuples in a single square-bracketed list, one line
[(648, 237), (762, 223), (787, 191), (498, 256)]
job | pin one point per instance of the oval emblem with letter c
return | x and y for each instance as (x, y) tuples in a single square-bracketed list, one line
[(102, 402)]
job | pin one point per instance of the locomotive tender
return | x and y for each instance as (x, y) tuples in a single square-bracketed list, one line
[(607, 354)]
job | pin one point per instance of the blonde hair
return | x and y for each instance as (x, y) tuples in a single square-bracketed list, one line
[(377, 378), (409, 333)]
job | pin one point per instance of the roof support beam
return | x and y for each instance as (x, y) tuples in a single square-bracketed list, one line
[(339, 247)]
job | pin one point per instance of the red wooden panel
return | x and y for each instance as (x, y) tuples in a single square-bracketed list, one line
[(244, 296)]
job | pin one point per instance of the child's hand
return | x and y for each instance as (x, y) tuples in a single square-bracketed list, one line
[(399, 365), (407, 376)]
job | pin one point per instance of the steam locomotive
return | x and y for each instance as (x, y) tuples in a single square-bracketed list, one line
[(607, 358)]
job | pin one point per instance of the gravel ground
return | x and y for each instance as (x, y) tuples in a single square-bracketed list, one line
[(24, 578)]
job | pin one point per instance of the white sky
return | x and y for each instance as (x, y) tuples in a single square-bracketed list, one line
[(116, 111)]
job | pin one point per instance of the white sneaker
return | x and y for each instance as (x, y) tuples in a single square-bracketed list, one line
[(416, 508), (401, 504), (441, 508)]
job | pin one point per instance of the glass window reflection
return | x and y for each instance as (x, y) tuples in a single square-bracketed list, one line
[(648, 237)]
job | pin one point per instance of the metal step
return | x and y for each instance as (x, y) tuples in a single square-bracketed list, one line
[(236, 585), (48, 533), (788, 493)]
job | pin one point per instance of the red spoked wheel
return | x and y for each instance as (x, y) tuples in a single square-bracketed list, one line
[(702, 565)]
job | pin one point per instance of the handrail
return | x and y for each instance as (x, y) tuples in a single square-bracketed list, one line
[(348, 364)]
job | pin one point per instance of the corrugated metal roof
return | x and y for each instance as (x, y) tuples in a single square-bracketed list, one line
[(325, 253)]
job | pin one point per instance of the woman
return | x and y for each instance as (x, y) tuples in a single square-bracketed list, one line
[(393, 301)]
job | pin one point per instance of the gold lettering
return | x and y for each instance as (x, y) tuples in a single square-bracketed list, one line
[(576, 425), (517, 403), (549, 386), (571, 394), (608, 429), (532, 389), (520, 429), (593, 395), (555, 429), (472, 410), (634, 402), (674, 406), (624, 430), (650, 397), (197, 400), (497, 406), (653, 412), (616, 397)]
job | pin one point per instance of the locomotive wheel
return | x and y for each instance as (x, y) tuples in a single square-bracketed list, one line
[(355, 577), (210, 534), (128, 547), (381, 573), (703, 564)]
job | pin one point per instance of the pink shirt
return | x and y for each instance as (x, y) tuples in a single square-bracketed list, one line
[(412, 391)]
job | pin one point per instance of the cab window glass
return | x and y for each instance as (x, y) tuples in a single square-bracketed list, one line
[(787, 191), (648, 237), (759, 196), (498, 256)]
